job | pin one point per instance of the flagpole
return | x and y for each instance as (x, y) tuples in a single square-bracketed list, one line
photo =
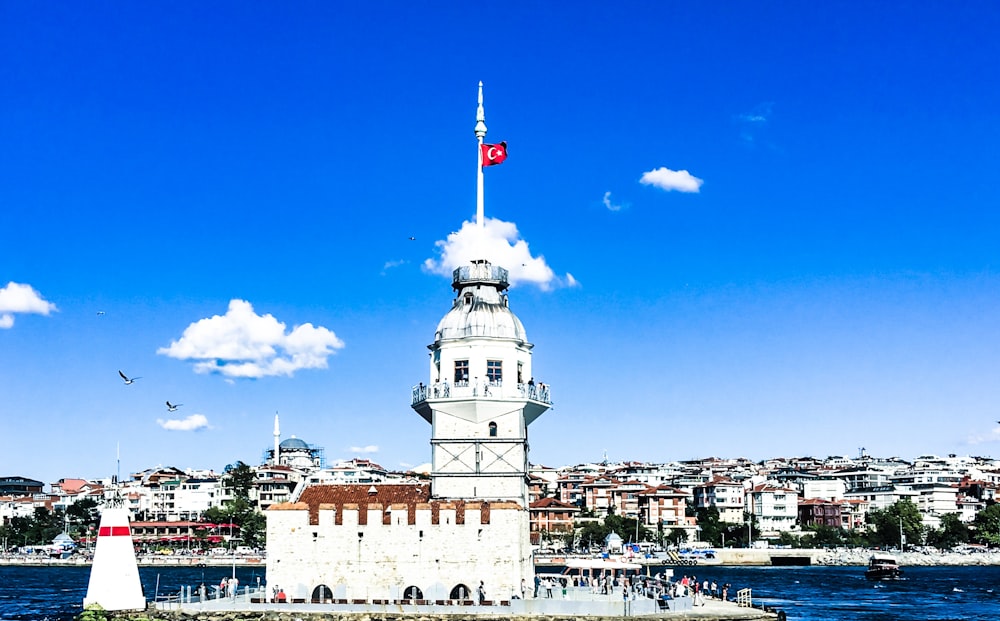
[(480, 135)]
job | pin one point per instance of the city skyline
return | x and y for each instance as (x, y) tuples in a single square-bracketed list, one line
[(766, 231)]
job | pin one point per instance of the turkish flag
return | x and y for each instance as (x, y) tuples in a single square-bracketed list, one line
[(493, 153)]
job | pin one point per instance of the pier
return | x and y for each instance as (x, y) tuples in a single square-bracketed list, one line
[(253, 604)]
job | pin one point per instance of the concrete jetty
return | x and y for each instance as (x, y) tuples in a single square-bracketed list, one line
[(572, 603)]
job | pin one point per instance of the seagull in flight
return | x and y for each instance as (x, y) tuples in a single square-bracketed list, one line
[(128, 380), (172, 407), (99, 313)]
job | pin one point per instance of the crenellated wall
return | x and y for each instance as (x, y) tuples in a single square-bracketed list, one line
[(370, 551)]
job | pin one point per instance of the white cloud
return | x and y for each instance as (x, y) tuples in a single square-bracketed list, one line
[(611, 206), (993, 435), (499, 243), (666, 179), (391, 264), (195, 422), (371, 448), (18, 298), (754, 122), (242, 343)]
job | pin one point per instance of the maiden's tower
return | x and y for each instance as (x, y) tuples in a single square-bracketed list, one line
[(470, 525)]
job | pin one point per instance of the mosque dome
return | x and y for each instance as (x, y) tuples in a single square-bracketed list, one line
[(293, 443), (480, 308)]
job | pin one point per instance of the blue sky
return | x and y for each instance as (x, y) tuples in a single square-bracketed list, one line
[(824, 275)]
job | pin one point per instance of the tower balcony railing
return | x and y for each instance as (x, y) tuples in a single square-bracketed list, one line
[(481, 389), (480, 271)]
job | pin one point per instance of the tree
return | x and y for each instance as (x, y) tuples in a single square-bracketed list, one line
[(952, 533), (987, 525), (238, 479), (83, 513), (823, 535), (786, 538), (677, 536), (711, 527), (43, 526), (885, 524), (593, 534), (628, 528)]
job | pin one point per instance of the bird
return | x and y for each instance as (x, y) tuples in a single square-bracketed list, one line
[(128, 380), (413, 238), (172, 407), (99, 313)]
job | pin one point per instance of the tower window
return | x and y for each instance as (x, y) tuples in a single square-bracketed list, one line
[(494, 371), (461, 371), (493, 430)]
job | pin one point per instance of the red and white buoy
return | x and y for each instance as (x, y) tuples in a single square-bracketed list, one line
[(114, 574)]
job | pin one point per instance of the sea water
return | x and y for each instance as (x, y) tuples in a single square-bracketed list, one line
[(806, 593)]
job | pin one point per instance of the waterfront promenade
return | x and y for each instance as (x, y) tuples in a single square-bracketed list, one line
[(575, 602)]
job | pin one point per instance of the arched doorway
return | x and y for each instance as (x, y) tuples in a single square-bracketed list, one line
[(322, 594), (412, 592), (460, 592)]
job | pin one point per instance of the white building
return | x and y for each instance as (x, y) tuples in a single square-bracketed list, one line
[(471, 524), (827, 489), (726, 495), (776, 508)]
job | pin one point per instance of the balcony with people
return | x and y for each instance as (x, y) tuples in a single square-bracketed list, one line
[(481, 389)]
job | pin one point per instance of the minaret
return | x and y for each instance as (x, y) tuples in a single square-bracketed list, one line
[(277, 439), (481, 395)]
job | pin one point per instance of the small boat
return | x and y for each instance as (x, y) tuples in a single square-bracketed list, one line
[(883, 567)]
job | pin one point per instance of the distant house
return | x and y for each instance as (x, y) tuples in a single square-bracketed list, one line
[(725, 495), (776, 508), (19, 486), (549, 515), (822, 512)]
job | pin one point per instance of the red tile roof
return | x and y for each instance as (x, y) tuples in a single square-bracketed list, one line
[(552, 503), (362, 497)]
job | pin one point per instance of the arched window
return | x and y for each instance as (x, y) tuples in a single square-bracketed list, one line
[(460, 592), (322, 594), (412, 592), (493, 429)]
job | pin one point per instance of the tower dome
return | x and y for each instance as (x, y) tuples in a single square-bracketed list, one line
[(480, 307)]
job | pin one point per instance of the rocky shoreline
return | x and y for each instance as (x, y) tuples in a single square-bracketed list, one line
[(843, 556)]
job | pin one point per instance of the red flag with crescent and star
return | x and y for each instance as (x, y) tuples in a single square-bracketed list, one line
[(493, 153)]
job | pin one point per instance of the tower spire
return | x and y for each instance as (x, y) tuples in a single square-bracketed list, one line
[(480, 135)]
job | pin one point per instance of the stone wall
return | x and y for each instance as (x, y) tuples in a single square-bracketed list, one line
[(381, 555)]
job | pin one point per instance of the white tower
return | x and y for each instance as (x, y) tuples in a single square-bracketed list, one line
[(481, 395), (277, 439), (114, 575)]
